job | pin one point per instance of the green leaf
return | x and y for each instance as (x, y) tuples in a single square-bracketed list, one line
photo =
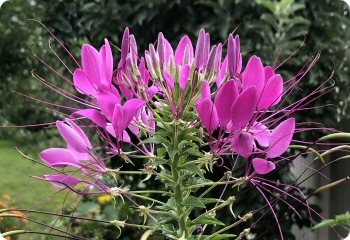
[(325, 223), (192, 167), (193, 202), (156, 139), (223, 236), (206, 219)]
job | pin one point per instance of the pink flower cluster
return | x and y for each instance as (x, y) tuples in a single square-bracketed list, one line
[(235, 106)]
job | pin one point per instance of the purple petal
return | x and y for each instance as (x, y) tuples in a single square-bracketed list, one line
[(232, 64), (206, 49), (207, 113), (81, 133), (263, 166), (200, 49), (243, 144), (94, 115), (133, 48), (130, 109), (210, 64), (272, 92), (238, 55), (234, 55), (107, 102), (184, 77), (60, 158), (269, 72), (222, 73), (280, 138), (169, 80), (92, 64), (62, 180), (217, 59), (205, 90), (83, 84), (145, 76), (73, 139), (225, 97), (243, 108), (107, 58), (184, 43), (151, 91), (118, 121), (254, 75), (126, 91), (125, 47), (161, 48), (148, 120), (261, 134)]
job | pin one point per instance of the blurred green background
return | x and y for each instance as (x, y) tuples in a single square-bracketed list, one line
[(272, 29)]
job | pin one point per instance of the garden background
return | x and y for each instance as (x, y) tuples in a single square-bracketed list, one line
[(273, 29)]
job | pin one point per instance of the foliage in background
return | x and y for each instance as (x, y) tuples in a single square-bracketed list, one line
[(6, 223), (269, 28), (342, 220)]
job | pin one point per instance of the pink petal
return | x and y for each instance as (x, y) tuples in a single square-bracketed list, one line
[(225, 97), (126, 137), (148, 120), (94, 115), (73, 139), (92, 64), (269, 72), (199, 52), (145, 76), (243, 108), (107, 102), (126, 91), (60, 158), (254, 75), (81, 133), (180, 50), (207, 113), (161, 47), (125, 47), (130, 109), (107, 58), (83, 84), (151, 91), (234, 55), (272, 92), (280, 138), (184, 77), (243, 144), (62, 180), (263, 166), (169, 80), (118, 121), (205, 90), (110, 130), (222, 73), (261, 134)]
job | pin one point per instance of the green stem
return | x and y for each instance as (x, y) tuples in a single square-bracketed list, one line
[(178, 196), (243, 219)]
